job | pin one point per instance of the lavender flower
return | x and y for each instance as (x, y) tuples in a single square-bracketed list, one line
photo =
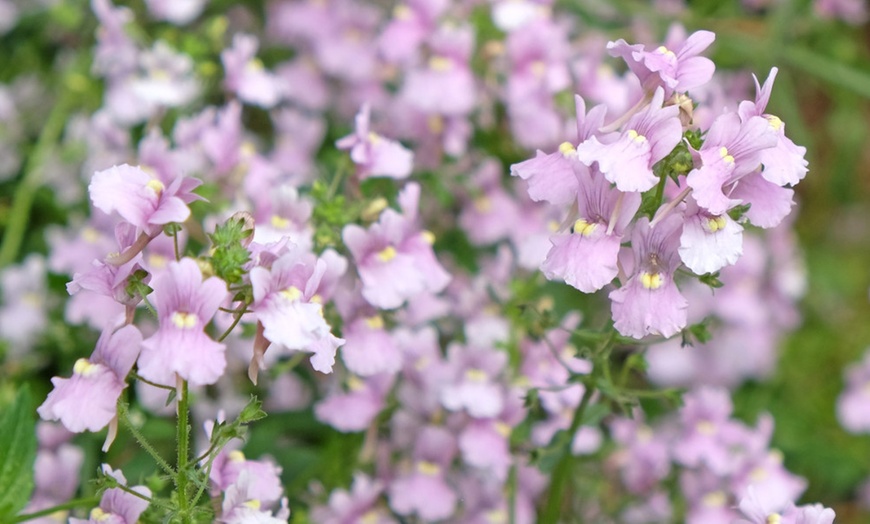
[(185, 304), (649, 301), (373, 154), (648, 138), (88, 400)]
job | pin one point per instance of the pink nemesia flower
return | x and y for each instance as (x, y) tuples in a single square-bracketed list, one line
[(708, 242), (551, 176), (242, 505), (731, 150), (675, 66), (88, 400), (586, 257), (785, 162), (245, 74), (649, 302), (648, 137), (185, 304), (394, 257), (118, 506), (373, 154), (446, 85), (142, 200)]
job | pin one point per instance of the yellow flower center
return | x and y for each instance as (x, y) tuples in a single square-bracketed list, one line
[(651, 280), (292, 293), (355, 384), (253, 504), (497, 516), (279, 222), (774, 122), (774, 518), (440, 63), (402, 12), (716, 224), (476, 375), (665, 51), (705, 427), (428, 468), (236, 456), (99, 515), (539, 68), (90, 235), (483, 204), (567, 149), (375, 322), (435, 123), (584, 228), (184, 320), (428, 236), (715, 499), (723, 152), (157, 261), (156, 186), (387, 254), (634, 135), (83, 367)]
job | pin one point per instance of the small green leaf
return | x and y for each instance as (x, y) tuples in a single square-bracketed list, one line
[(711, 279), (17, 453), (253, 411)]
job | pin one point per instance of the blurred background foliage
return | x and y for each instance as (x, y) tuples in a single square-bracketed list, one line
[(822, 93)]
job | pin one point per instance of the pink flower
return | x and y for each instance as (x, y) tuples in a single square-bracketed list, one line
[(88, 400), (731, 151), (649, 302), (785, 162), (373, 154), (394, 258), (245, 74), (185, 304), (289, 308), (674, 66), (648, 137), (118, 506), (147, 202), (586, 257)]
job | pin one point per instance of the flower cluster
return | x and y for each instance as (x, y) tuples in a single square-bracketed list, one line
[(340, 234), (600, 181)]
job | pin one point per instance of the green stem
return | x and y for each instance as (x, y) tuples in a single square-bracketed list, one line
[(153, 384), (19, 215), (553, 507), (124, 415), (235, 323), (77, 503), (183, 449)]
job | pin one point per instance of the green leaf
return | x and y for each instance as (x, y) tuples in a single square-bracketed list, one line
[(17, 453)]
